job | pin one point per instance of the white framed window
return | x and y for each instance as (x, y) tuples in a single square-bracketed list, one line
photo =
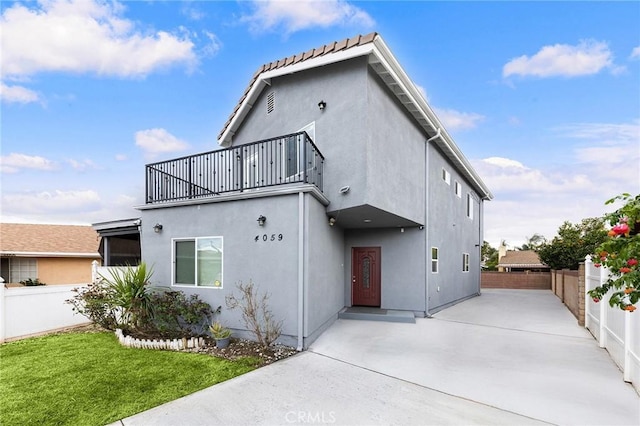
[(458, 189), (198, 262), (465, 262), (434, 260), (446, 177), (16, 269), (469, 206)]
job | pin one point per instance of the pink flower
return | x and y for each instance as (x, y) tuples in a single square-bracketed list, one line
[(597, 265), (632, 262), (625, 270), (620, 229)]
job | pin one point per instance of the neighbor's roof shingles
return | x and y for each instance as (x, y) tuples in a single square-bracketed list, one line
[(59, 239), (347, 43), (521, 258)]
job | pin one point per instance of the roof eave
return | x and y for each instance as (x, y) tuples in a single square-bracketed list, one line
[(95, 255)]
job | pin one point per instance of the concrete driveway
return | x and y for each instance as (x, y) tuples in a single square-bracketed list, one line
[(507, 357)]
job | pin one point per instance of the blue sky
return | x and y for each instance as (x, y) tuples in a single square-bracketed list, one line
[(542, 97)]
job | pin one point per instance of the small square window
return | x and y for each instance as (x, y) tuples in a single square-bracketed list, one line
[(446, 176), (434, 260), (465, 262), (469, 206)]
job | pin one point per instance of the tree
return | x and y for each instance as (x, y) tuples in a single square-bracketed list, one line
[(489, 257), (620, 253), (534, 242), (573, 243)]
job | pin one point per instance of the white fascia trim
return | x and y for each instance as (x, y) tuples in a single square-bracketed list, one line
[(265, 79), (386, 58), (48, 254)]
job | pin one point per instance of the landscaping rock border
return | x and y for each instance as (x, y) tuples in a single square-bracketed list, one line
[(167, 344)]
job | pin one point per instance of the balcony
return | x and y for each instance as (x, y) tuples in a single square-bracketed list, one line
[(282, 160)]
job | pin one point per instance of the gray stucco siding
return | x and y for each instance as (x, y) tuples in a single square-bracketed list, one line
[(402, 265), (453, 233), (271, 265), (324, 274), (395, 155)]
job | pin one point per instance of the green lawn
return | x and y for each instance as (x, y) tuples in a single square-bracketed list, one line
[(89, 379)]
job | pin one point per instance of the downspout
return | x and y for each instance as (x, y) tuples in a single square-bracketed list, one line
[(300, 271), (426, 223)]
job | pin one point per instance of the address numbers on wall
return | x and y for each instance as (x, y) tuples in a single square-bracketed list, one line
[(268, 238)]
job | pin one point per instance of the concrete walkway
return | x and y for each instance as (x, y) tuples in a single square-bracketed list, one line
[(510, 357)]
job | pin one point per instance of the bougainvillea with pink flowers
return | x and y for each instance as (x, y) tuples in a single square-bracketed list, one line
[(620, 254)]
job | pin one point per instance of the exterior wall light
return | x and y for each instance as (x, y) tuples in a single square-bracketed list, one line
[(261, 220), (322, 105), (332, 221), (157, 228)]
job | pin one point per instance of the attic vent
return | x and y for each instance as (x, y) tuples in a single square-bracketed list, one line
[(270, 102)]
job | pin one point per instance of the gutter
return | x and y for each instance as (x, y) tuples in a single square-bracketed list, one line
[(300, 272), (426, 221)]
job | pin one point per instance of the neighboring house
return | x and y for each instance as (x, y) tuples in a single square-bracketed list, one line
[(337, 187), (53, 254), (521, 261), (119, 242)]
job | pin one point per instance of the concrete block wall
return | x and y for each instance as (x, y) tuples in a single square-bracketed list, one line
[(516, 280)]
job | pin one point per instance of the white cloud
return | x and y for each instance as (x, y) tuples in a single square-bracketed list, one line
[(213, 45), (528, 200), (57, 201), (84, 36), (292, 16), (588, 57), (635, 53), (156, 141), (17, 94), (16, 162), (82, 165), (456, 120), (121, 157)]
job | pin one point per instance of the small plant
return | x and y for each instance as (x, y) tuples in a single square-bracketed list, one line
[(29, 282), (218, 331), (256, 314), (129, 291)]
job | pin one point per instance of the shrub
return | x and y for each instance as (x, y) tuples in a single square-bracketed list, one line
[(620, 253), (178, 316), (29, 282), (95, 303), (126, 301), (256, 314)]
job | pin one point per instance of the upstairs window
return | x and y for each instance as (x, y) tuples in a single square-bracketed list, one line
[(446, 177), (465, 262), (469, 206), (434, 260), (458, 189)]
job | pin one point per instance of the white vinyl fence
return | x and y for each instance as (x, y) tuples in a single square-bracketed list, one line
[(28, 311), (615, 330)]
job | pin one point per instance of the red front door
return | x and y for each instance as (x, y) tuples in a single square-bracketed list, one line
[(365, 276)]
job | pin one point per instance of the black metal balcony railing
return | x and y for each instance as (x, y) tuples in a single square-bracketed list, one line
[(277, 161)]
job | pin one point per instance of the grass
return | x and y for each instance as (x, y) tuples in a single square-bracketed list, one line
[(89, 379)]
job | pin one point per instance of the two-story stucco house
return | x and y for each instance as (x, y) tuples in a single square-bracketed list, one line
[(336, 186)]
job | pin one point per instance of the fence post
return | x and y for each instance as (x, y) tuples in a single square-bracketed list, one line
[(626, 371), (94, 271), (3, 310), (603, 310), (581, 293), (588, 265)]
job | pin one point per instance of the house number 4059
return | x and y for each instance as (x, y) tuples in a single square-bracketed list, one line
[(265, 237)]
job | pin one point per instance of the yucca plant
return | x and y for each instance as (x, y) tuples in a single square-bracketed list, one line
[(129, 291)]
